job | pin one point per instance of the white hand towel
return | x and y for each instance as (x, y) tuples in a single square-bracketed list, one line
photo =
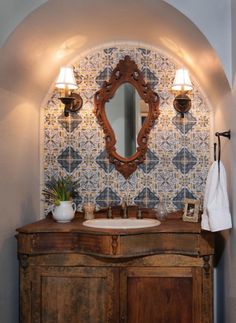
[(216, 214)]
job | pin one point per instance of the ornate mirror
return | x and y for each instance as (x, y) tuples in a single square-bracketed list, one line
[(126, 108)]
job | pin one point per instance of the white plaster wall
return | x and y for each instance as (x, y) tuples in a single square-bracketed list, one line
[(226, 241), (225, 275), (19, 191), (233, 27), (213, 18), (19, 166), (12, 12), (227, 265)]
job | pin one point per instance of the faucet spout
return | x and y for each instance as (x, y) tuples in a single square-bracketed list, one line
[(109, 213), (125, 210)]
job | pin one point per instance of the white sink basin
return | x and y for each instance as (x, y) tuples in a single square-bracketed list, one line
[(119, 223)]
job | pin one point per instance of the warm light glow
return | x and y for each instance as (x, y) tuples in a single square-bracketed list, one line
[(182, 81), (66, 79)]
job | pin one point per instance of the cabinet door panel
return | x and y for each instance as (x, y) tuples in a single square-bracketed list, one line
[(160, 295), (75, 295)]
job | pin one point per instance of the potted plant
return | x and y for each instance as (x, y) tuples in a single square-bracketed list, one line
[(61, 191)]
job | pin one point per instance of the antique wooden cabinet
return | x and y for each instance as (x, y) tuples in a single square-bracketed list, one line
[(72, 273)]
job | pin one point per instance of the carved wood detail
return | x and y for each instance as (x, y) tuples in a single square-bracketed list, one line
[(206, 265), (114, 244), (126, 71), (126, 274), (24, 261)]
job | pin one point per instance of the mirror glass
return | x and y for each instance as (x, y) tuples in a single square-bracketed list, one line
[(126, 112)]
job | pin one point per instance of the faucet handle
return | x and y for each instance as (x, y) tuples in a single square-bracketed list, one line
[(109, 213), (139, 213), (123, 204)]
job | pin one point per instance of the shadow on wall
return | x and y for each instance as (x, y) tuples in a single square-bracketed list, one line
[(9, 280), (224, 276), (9, 299), (221, 239)]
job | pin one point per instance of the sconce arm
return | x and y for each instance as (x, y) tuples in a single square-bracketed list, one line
[(72, 103), (182, 103)]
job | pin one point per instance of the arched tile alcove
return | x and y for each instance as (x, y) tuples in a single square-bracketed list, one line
[(178, 155)]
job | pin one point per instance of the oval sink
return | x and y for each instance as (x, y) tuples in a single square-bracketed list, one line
[(119, 223)]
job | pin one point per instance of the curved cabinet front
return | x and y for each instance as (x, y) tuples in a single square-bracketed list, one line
[(71, 273)]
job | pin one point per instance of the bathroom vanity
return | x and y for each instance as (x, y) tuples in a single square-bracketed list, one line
[(72, 273)]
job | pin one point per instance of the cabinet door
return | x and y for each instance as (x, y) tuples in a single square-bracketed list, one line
[(160, 295), (74, 295)]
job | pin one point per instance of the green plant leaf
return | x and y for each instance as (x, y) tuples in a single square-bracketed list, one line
[(60, 189)]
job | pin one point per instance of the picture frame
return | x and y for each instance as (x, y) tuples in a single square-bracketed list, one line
[(191, 210)]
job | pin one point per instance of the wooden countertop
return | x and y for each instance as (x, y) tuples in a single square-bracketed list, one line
[(172, 236), (173, 224)]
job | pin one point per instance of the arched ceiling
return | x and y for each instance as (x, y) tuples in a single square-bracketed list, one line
[(57, 32), (12, 13)]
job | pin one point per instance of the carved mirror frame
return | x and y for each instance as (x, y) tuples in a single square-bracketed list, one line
[(126, 71)]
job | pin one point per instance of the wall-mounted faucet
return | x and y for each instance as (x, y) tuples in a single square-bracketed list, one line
[(109, 213), (139, 213), (124, 209)]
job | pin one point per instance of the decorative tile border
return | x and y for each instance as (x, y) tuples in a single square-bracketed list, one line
[(178, 155)]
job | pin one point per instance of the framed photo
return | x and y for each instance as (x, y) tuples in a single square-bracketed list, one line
[(191, 210)]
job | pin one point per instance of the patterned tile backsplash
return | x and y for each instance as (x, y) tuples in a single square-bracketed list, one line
[(178, 154)]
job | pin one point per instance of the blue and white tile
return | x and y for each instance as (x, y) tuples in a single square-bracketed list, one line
[(168, 138)]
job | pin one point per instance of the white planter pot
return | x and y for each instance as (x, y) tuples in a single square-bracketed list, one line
[(64, 212)]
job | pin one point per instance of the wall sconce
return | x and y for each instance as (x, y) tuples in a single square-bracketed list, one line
[(182, 86), (66, 83)]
